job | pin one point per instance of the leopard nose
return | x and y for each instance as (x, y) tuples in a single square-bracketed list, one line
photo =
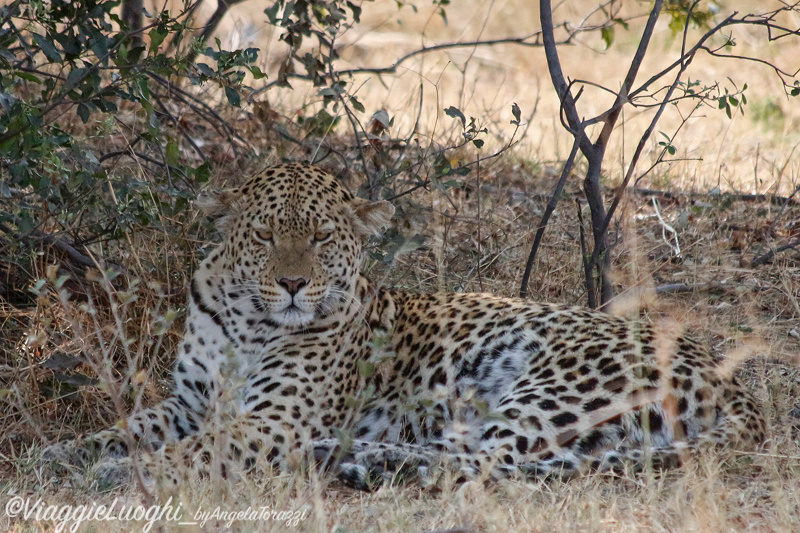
[(292, 286)]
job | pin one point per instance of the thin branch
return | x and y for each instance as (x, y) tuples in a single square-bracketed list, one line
[(181, 128), (767, 257), (40, 72), (771, 198), (393, 68), (60, 99), (760, 61), (372, 190), (587, 265), (551, 206), (81, 259), (630, 77), (646, 135), (134, 155), (445, 46), (203, 110), (730, 20), (557, 76), (677, 288), (407, 141)]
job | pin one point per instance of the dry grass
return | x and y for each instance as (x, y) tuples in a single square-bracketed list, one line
[(748, 153), (479, 237)]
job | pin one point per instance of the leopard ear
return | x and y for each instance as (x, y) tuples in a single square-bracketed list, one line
[(220, 206), (371, 217)]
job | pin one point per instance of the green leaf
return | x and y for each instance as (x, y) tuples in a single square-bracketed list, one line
[(272, 13), (157, 36), (74, 78), (607, 33), (358, 106), (257, 73), (677, 22), (84, 112), (27, 76), (205, 69), (356, 11), (456, 113), (172, 152), (122, 54), (135, 53), (202, 173), (233, 96), (345, 440), (478, 143), (48, 48), (383, 117)]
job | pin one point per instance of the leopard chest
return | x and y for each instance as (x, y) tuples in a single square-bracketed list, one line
[(308, 379)]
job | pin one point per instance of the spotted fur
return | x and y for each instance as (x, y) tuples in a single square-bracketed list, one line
[(291, 346)]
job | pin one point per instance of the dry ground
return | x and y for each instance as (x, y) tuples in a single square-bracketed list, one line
[(478, 240)]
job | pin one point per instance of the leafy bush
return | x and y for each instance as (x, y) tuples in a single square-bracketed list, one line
[(72, 73)]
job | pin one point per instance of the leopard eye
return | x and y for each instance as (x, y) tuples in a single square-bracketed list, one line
[(322, 236), (263, 235)]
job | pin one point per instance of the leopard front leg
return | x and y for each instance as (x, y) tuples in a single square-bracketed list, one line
[(147, 430), (197, 386)]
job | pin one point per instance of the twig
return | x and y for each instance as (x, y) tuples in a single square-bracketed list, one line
[(78, 257), (587, 266), (391, 69), (372, 189), (61, 98), (677, 288), (767, 257), (181, 128), (407, 141), (551, 206), (134, 155), (676, 249), (771, 198), (766, 20), (202, 109)]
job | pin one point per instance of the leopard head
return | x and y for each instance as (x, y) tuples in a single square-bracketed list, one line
[(294, 236)]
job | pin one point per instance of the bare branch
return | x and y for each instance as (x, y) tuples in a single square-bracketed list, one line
[(765, 20), (551, 206), (557, 76), (78, 258), (767, 257), (623, 96), (772, 199), (587, 266)]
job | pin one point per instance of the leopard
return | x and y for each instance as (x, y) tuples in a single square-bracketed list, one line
[(308, 360)]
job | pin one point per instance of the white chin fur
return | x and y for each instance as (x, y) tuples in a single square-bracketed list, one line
[(292, 317)]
